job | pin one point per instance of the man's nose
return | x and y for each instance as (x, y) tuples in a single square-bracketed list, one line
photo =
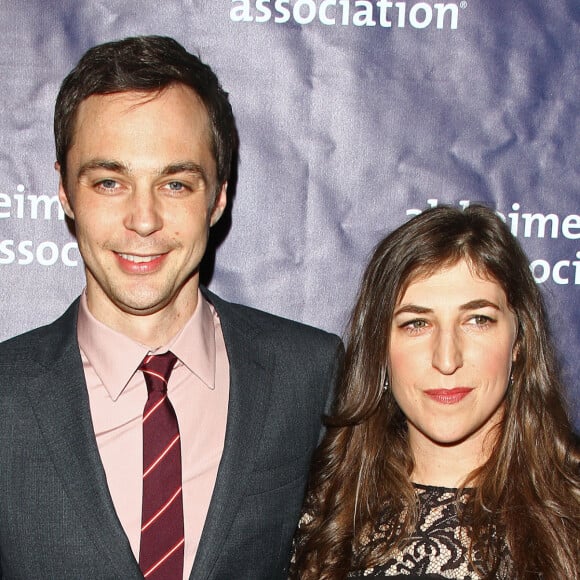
[(143, 212)]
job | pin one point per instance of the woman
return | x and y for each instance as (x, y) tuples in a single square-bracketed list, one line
[(449, 453)]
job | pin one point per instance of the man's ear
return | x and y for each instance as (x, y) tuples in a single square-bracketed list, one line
[(62, 194), (219, 205)]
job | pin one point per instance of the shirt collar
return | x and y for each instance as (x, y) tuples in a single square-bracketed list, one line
[(115, 357)]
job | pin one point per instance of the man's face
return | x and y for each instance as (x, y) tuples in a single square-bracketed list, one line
[(140, 186)]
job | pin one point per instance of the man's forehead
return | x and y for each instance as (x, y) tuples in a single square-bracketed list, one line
[(133, 98), (177, 104)]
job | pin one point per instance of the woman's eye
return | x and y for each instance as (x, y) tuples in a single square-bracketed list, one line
[(480, 320), (415, 325)]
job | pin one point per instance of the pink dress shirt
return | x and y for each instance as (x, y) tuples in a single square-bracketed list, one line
[(198, 390)]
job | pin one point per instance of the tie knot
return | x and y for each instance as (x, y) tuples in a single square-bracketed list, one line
[(157, 369)]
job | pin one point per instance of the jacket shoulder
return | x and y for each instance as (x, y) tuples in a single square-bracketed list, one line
[(45, 343), (262, 322)]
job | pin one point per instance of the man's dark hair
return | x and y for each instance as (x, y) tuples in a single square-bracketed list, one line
[(144, 63)]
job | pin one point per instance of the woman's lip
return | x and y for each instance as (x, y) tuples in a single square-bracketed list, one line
[(448, 396)]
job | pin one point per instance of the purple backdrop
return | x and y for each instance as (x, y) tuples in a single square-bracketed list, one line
[(352, 114)]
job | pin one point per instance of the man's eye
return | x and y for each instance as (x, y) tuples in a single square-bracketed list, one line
[(107, 184), (176, 185)]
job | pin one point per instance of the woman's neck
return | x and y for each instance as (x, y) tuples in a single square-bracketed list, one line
[(445, 465)]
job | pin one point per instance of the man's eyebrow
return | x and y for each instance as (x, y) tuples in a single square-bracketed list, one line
[(107, 164), (184, 167), (118, 167)]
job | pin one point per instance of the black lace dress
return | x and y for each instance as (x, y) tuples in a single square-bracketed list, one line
[(439, 549)]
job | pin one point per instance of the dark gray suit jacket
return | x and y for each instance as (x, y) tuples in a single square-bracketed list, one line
[(57, 520)]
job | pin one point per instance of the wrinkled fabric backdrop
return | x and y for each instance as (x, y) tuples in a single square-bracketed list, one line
[(352, 114)]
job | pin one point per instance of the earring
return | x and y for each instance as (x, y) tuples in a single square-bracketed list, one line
[(511, 379), (386, 384)]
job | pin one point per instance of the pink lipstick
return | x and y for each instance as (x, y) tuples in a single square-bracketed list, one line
[(448, 396)]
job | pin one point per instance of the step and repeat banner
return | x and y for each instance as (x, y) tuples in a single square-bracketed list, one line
[(353, 115)]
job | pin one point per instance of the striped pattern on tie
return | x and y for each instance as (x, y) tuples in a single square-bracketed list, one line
[(161, 550)]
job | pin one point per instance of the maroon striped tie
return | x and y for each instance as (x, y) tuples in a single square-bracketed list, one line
[(161, 551)]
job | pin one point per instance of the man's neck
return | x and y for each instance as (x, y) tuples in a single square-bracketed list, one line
[(151, 329)]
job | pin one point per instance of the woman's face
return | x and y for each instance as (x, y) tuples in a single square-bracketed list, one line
[(451, 351)]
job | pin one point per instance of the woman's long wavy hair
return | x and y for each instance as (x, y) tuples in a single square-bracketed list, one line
[(529, 488)]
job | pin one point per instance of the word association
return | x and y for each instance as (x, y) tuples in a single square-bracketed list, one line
[(383, 13)]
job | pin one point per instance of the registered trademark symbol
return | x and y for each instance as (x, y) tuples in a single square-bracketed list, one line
[(463, 4)]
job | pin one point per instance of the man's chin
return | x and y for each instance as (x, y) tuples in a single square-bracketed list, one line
[(143, 308)]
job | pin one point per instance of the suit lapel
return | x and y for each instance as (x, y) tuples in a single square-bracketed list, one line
[(60, 402), (251, 364)]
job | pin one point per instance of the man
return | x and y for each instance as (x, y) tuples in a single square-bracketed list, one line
[(154, 430)]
